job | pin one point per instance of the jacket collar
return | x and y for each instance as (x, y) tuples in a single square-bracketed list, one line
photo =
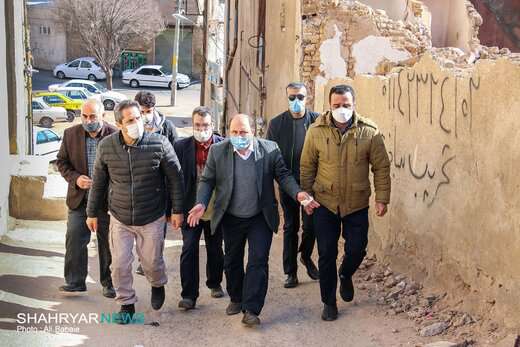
[(307, 117)]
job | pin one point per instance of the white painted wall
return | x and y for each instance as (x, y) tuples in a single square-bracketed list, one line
[(372, 50), (4, 133)]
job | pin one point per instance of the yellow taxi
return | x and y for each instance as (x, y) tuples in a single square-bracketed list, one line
[(59, 100)]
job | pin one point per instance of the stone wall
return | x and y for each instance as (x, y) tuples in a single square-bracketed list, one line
[(453, 140), (343, 38)]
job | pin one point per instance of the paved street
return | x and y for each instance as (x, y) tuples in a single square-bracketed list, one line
[(31, 271), (180, 115)]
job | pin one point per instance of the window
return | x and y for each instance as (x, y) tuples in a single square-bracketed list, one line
[(41, 138), (75, 63), (36, 105), (53, 99), (89, 87), (156, 72), (51, 136), (75, 95), (75, 84), (146, 72), (85, 64)]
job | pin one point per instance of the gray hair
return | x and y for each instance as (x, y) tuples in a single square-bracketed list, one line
[(97, 104), (202, 111), (123, 105)]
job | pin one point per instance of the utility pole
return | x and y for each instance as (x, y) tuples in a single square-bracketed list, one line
[(175, 57)]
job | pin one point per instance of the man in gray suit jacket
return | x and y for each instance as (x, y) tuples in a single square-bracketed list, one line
[(241, 170)]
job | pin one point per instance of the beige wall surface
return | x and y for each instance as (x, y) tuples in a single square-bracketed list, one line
[(454, 144)]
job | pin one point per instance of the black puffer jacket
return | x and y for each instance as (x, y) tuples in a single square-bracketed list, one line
[(135, 179)]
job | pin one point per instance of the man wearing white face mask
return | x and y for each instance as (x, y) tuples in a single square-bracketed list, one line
[(339, 150), (155, 122), (288, 130), (137, 171), (193, 153)]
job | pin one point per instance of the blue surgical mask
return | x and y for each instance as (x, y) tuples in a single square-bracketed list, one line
[(296, 106), (240, 143), (91, 127)]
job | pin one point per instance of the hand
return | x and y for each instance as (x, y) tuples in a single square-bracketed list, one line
[(176, 220), (92, 224), (381, 209), (195, 215), (308, 210), (307, 201), (84, 182)]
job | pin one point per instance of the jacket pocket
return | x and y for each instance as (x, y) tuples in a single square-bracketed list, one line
[(360, 194)]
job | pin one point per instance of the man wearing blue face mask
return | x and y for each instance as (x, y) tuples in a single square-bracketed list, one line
[(76, 164), (241, 171), (288, 130)]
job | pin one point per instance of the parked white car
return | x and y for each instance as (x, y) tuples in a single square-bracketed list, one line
[(153, 76), (109, 98), (85, 67), (46, 143), (46, 115)]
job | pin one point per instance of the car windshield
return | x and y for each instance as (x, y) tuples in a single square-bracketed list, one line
[(87, 93), (165, 70), (100, 87), (43, 104)]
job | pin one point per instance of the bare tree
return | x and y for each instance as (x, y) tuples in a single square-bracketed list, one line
[(106, 27)]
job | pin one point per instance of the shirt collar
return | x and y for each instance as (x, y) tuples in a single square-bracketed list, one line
[(249, 150)]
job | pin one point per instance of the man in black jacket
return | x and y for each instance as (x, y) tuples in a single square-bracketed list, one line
[(193, 153), (288, 131), (155, 122), (138, 170)]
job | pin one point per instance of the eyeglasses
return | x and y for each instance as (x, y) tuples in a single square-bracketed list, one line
[(299, 96)]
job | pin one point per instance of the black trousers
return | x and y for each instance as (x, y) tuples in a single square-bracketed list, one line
[(190, 258), (249, 287), (76, 253), (291, 227), (328, 229)]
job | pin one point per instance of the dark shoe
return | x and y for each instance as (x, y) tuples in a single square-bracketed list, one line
[(291, 281), (217, 292), (346, 288), (330, 312), (234, 308), (187, 304), (139, 270), (125, 315), (109, 292), (312, 270), (250, 319), (69, 289), (157, 297)]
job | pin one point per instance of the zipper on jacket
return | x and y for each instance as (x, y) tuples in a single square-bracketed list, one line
[(328, 158), (131, 183), (292, 148), (355, 139)]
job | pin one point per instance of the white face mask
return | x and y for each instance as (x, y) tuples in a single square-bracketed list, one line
[(148, 118), (135, 130), (202, 135), (342, 114)]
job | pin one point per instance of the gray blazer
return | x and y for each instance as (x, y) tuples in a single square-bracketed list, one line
[(218, 175)]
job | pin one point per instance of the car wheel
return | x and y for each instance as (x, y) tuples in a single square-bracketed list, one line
[(46, 122), (134, 84), (70, 116), (109, 105), (60, 75), (92, 77)]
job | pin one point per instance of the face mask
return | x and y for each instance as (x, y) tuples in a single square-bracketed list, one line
[(92, 126), (296, 106), (240, 143), (135, 130), (148, 118), (202, 135), (342, 114)]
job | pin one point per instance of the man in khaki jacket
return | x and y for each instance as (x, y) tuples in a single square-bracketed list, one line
[(339, 148)]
